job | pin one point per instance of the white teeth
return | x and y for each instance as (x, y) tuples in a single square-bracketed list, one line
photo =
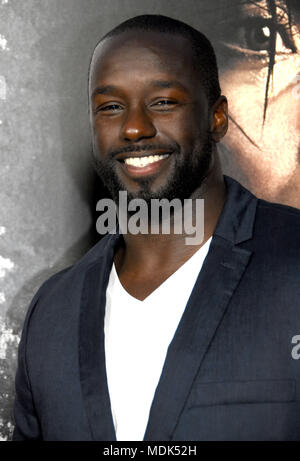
[(143, 161)]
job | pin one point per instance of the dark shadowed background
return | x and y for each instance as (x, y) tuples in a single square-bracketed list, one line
[(48, 189)]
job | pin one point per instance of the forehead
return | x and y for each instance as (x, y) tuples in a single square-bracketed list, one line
[(144, 56)]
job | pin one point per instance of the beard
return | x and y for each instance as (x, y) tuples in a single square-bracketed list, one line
[(187, 174)]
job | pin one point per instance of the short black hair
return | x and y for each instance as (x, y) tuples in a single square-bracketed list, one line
[(205, 58)]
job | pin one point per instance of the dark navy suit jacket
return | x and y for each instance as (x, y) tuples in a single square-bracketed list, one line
[(229, 372)]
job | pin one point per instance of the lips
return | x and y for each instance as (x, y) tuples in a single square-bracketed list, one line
[(141, 154), (139, 164)]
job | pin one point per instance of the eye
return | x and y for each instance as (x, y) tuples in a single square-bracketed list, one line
[(257, 36), (259, 33), (109, 109), (163, 105)]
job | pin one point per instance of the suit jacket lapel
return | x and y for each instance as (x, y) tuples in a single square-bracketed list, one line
[(92, 347), (222, 270)]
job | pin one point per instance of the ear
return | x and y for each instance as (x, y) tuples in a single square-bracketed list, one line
[(219, 118)]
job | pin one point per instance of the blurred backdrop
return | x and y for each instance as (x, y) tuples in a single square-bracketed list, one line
[(48, 189)]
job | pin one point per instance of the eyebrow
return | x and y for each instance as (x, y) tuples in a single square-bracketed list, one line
[(109, 89), (105, 89), (167, 84)]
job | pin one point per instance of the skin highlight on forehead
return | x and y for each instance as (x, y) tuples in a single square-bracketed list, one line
[(158, 52)]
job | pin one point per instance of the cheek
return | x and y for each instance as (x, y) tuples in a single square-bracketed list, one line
[(245, 90), (105, 135), (266, 155), (278, 139), (245, 100), (185, 127)]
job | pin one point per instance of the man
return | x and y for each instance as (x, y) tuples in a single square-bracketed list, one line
[(147, 337)]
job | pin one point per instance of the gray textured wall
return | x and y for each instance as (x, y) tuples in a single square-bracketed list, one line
[(47, 184)]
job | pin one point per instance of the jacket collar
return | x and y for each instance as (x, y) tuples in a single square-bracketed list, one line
[(238, 215)]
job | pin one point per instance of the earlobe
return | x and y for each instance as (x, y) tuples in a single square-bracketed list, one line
[(219, 119)]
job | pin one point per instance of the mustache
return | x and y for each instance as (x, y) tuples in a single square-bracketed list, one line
[(144, 147)]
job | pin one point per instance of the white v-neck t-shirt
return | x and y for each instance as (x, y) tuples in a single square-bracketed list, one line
[(137, 336)]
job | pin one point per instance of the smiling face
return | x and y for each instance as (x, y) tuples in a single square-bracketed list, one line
[(150, 117)]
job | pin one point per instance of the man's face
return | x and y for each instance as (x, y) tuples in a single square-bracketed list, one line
[(149, 116)]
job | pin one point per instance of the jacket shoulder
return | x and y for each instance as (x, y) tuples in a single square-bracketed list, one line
[(277, 232), (279, 210), (282, 218)]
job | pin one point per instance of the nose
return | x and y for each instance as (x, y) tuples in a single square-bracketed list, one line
[(137, 125)]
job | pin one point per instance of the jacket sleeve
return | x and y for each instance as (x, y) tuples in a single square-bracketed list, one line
[(27, 426)]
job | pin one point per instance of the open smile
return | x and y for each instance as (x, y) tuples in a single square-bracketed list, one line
[(143, 165)]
